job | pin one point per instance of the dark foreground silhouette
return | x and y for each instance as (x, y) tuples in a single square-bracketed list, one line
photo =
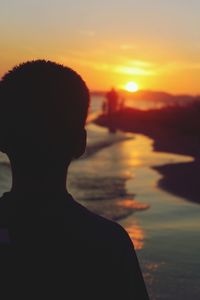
[(51, 246)]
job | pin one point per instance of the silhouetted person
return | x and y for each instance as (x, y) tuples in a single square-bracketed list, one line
[(112, 101), (104, 107), (55, 248), (112, 106)]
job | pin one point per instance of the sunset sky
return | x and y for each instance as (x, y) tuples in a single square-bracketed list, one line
[(155, 43)]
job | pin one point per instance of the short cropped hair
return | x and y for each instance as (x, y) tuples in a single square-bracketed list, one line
[(40, 98)]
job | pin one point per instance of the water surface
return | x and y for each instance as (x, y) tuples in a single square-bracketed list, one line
[(119, 183)]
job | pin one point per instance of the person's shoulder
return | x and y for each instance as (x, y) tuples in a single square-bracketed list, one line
[(100, 227)]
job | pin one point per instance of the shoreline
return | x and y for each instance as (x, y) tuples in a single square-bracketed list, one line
[(180, 179)]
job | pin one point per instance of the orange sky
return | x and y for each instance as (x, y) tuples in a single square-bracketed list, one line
[(154, 43)]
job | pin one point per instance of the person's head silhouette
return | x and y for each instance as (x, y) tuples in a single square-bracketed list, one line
[(43, 112), (52, 238)]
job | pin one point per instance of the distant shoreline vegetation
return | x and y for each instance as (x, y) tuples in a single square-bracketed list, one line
[(174, 128)]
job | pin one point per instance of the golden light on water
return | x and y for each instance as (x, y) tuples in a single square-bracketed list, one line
[(131, 87)]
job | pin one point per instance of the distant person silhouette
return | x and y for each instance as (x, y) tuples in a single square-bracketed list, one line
[(112, 106), (112, 101), (54, 248)]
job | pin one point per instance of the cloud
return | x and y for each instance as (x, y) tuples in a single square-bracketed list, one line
[(142, 63), (88, 33), (127, 47), (122, 69), (133, 68), (178, 66), (128, 67), (136, 67), (133, 71)]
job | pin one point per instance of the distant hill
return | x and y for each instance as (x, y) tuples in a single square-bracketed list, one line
[(154, 96), (161, 97)]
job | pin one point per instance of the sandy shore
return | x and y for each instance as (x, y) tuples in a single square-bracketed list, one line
[(179, 179)]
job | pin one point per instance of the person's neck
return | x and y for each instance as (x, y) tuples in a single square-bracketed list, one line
[(39, 179)]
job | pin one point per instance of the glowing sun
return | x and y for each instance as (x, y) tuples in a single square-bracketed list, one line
[(131, 87)]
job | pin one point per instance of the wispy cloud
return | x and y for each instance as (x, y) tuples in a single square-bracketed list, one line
[(127, 47), (119, 68), (88, 33), (177, 66), (140, 68), (134, 71), (142, 63)]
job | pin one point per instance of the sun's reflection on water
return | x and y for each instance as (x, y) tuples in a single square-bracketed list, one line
[(134, 230), (132, 204), (137, 236)]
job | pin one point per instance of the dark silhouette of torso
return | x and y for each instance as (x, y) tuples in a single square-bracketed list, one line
[(67, 253)]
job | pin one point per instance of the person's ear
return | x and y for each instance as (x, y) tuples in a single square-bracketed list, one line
[(79, 147)]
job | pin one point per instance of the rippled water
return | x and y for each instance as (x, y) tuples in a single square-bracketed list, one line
[(120, 184)]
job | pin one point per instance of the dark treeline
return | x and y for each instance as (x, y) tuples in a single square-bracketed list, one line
[(174, 128)]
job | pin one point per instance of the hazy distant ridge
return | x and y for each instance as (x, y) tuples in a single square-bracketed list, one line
[(155, 96)]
